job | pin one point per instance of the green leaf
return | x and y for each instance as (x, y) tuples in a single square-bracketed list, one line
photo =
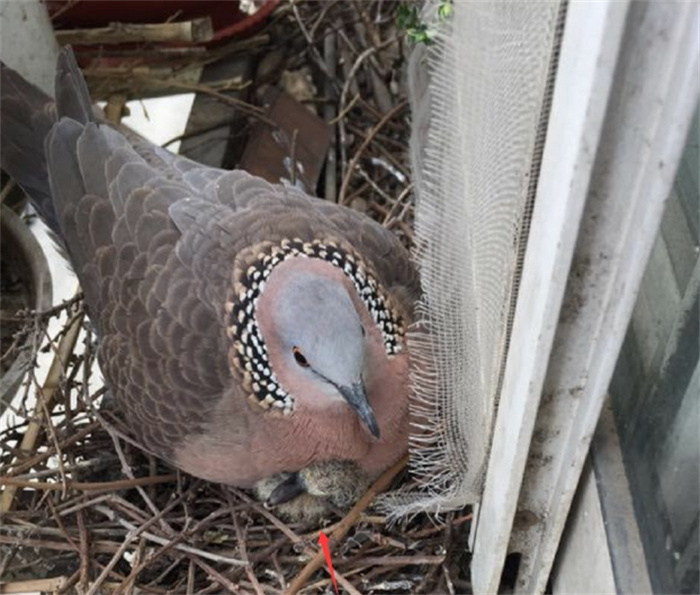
[(407, 16), (445, 10)]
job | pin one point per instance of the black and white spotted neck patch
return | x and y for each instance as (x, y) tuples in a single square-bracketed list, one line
[(249, 354)]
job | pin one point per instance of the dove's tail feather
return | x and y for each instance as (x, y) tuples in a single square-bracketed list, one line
[(27, 115), (72, 95)]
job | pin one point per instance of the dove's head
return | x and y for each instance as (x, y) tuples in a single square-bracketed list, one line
[(314, 335), (319, 340)]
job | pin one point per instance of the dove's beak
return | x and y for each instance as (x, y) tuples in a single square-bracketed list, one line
[(356, 396), (289, 489)]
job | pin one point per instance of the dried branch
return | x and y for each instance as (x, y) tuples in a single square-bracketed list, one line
[(363, 146), (194, 31)]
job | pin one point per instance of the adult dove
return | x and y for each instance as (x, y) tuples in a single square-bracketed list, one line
[(246, 329)]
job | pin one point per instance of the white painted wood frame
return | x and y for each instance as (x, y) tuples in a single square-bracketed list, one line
[(622, 177), (582, 86), (653, 99)]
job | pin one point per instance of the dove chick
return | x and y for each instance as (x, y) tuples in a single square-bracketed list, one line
[(310, 494)]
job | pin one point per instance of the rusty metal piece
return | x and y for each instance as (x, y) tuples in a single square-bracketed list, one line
[(294, 151)]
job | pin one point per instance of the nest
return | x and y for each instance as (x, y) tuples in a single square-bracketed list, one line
[(85, 510)]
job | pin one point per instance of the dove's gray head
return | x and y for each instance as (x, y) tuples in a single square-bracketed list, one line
[(312, 332), (323, 340), (320, 328), (304, 335)]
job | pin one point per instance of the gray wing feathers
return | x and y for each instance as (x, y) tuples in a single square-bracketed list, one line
[(72, 96), (93, 149), (66, 181), (186, 211), (123, 245)]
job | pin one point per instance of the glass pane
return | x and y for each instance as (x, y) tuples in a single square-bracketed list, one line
[(655, 391)]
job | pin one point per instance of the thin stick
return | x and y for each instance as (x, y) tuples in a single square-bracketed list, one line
[(138, 567), (346, 109), (294, 538), (433, 530), (324, 11), (54, 439), (395, 207), (126, 468), (69, 584), (293, 158), (353, 162), (190, 578), (61, 526), (43, 584), (84, 551), (329, 111), (314, 51), (346, 584), (244, 106), (121, 484), (244, 550), (69, 508), (399, 561), (130, 536), (346, 524), (217, 576), (64, 8), (47, 396), (9, 187), (365, 176), (355, 67), (278, 570), (112, 516), (98, 547)]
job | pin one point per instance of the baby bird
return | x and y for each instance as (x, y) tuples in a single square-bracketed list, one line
[(309, 494)]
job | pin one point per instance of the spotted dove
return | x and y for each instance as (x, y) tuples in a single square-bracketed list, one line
[(245, 328)]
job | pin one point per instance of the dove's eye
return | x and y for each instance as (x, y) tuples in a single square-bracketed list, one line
[(299, 357)]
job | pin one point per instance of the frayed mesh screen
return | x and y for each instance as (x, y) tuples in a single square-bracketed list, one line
[(478, 98)]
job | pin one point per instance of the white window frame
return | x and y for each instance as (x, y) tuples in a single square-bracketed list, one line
[(625, 91)]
